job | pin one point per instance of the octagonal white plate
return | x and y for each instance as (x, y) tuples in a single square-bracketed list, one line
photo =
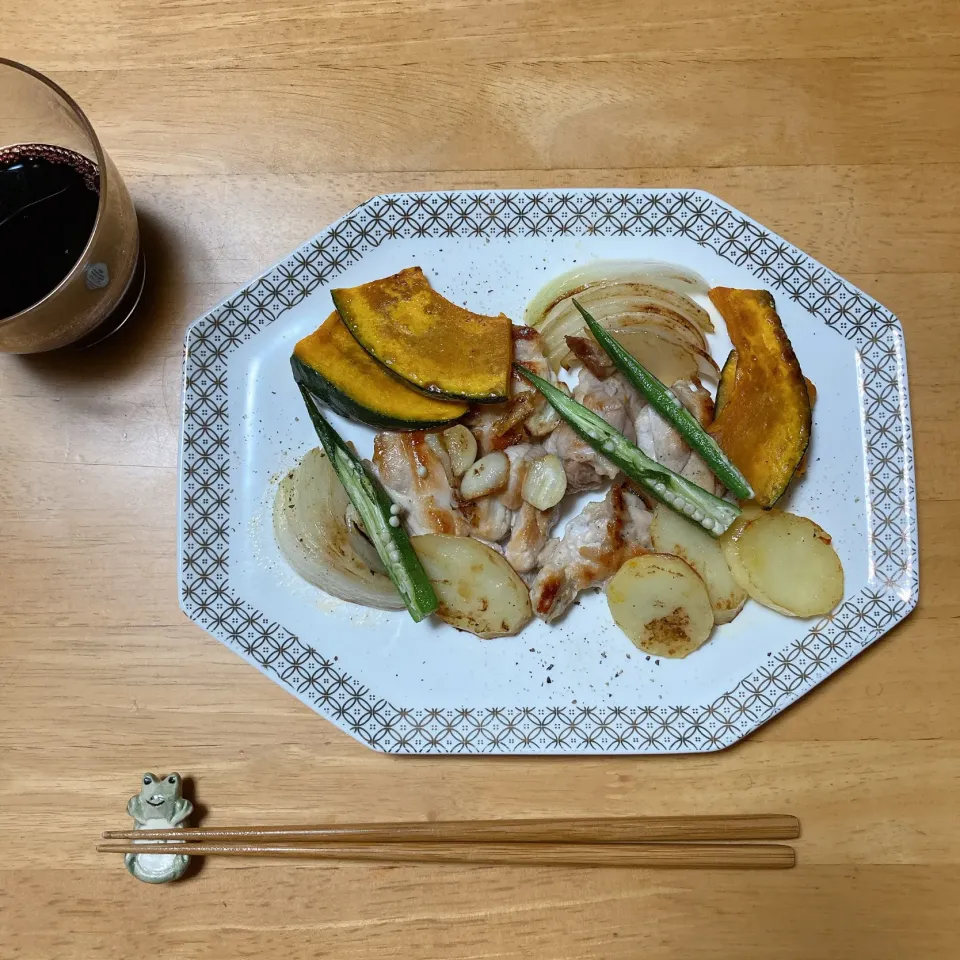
[(579, 686)]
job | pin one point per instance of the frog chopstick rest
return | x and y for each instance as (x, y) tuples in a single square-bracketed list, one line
[(158, 806)]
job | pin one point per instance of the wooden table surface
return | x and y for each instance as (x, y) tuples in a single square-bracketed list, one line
[(241, 129)]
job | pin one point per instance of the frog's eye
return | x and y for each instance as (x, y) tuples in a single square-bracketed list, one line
[(172, 778), (148, 779)]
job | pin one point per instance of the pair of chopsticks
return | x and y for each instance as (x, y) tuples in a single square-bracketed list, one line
[(692, 841)]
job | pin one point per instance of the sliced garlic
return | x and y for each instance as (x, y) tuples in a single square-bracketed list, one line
[(546, 419), (461, 447), (488, 475), (545, 482)]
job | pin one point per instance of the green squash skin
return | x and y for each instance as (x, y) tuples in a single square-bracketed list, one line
[(330, 396)]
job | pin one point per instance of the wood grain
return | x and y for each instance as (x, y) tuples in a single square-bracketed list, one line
[(527, 830), (242, 129), (536, 115), (699, 856)]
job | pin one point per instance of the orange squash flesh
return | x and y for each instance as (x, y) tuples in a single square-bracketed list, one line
[(339, 372), (422, 338), (764, 422), (728, 376)]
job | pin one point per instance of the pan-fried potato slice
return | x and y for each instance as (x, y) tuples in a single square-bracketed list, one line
[(749, 512), (672, 533), (786, 563), (478, 590), (661, 604)]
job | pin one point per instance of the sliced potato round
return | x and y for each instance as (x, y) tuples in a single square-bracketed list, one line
[(728, 540), (478, 590), (661, 604), (785, 562), (674, 534)]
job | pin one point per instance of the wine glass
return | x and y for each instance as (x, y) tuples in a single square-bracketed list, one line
[(71, 267)]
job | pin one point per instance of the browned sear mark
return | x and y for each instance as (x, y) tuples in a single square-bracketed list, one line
[(548, 593), (671, 632)]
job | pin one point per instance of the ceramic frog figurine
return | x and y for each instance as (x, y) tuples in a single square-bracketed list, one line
[(158, 806)]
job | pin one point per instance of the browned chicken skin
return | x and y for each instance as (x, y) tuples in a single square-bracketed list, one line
[(594, 545), (412, 469)]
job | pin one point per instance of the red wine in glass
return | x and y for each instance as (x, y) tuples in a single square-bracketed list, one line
[(48, 206)]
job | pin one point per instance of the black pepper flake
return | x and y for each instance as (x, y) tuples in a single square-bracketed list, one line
[(549, 679)]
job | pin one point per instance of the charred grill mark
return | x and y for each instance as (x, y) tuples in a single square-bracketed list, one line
[(548, 594), (418, 453), (592, 356), (521, 332)]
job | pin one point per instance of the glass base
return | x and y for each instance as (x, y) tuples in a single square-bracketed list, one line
[(122, 312)]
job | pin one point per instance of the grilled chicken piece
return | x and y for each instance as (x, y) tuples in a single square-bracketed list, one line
[(611, 398), (659, 440), (493, 518), (694, 396), (592, 356), (529, 352), (530, 529), (415, 476), (699, 402), (489, 519), (593, 547), (520, 455), (696, 471), (499, 425)]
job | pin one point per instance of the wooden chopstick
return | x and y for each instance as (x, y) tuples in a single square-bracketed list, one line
[(761, 856), (596, 830)]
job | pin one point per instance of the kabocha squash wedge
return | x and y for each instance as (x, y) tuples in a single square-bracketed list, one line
[(728, 376), (343, 376), (425, 340), (763, 425)]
